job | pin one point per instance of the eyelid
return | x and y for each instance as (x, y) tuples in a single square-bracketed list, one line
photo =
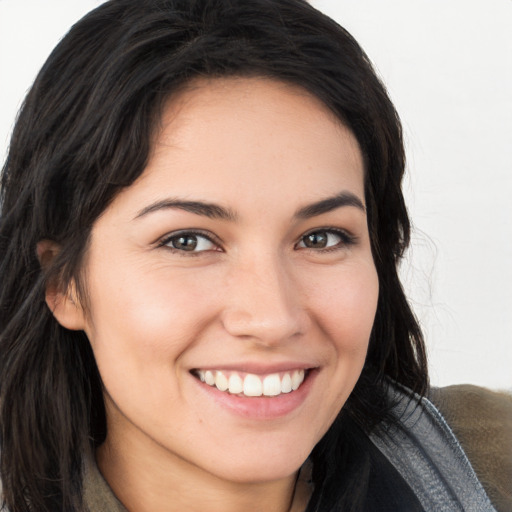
[(163, 241), (347, 238)]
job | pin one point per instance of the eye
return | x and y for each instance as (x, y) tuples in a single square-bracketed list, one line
[(189, 242), (325, 239)]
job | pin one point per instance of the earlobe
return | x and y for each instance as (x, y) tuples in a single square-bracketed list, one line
[(62, 300), (65, 307)]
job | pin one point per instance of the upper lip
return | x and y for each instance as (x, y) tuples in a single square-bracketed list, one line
[(258, 368)]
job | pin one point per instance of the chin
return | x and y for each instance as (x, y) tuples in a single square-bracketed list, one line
[(270, 460)]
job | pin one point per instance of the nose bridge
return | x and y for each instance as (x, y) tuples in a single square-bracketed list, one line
[(263, 301)]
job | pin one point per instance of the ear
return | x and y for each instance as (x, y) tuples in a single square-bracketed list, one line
[(62, 300)]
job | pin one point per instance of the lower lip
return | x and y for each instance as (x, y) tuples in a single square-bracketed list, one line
[(261, 408)]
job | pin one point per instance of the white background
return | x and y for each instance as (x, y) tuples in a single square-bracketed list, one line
[(448, 67)]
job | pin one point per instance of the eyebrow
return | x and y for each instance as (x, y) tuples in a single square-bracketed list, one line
[(215, 211), (329, 204), (210, 210)]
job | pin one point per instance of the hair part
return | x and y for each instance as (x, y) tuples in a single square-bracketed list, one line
[(85, 132)]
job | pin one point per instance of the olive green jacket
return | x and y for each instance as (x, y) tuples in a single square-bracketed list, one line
[(481, 420)]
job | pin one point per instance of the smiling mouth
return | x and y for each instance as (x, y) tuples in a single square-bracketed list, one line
[(250, 384)]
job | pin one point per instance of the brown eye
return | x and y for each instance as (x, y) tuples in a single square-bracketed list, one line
[(184, 243), (189, 242), (317, 240), (326, 239)]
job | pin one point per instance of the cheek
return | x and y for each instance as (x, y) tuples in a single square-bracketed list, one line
[(344, 304), (148, 315), (139, 328)]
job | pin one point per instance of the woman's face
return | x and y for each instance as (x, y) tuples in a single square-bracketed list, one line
[(241, 258)]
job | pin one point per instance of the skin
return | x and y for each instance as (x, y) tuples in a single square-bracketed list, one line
[(253, 296)]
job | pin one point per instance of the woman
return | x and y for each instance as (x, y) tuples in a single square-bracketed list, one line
[(200, 309)]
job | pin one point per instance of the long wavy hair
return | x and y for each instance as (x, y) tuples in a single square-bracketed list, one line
[(84, 133)]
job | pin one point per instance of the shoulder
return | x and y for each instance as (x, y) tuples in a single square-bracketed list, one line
[(481, 420)]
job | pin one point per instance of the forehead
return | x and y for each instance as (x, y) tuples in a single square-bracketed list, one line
[(250, 140), (250, 107)]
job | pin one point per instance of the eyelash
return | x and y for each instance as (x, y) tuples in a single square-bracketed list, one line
[(186, 233), (346, 240)]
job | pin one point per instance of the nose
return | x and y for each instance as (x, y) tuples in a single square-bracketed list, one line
[(264, 303)]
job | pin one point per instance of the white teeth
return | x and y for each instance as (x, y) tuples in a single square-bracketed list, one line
[(221, 381), (253, 385), (272, 385), (286, 383), (297, 379), (236, 384), (209, 378)]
